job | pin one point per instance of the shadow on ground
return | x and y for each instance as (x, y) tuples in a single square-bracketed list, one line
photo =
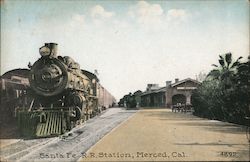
[(168, 115), (9, 130), (210, 144)]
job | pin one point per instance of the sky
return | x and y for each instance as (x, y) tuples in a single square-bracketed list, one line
[(130, 43)]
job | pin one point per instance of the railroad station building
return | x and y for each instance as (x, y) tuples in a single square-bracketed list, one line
[(171, 94)]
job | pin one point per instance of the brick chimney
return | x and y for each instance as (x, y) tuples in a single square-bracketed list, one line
[(149, 87), (168, 83), (176, 80)]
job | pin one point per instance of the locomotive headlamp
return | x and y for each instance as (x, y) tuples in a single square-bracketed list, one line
[(44, 51)]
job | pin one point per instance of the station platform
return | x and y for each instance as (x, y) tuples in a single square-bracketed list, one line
[(162, 135)]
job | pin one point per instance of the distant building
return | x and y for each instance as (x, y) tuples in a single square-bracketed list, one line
[(154, 96), (171, 94)]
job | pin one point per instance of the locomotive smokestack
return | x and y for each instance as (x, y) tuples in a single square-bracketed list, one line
[(53, 48)]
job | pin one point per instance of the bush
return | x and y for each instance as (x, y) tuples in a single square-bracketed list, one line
[(225, 93)]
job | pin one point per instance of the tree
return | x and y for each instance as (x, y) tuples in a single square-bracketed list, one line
[(241, 96), (226, 69), (224, 95)]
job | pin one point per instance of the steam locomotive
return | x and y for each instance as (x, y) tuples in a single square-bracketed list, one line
[(62, 95)]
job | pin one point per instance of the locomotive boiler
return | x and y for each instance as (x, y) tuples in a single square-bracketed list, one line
[(62, 95)]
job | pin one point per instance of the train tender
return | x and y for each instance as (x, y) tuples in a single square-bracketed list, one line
[(62, 95)]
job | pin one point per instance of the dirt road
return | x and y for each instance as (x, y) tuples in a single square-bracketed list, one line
[(161, 135)]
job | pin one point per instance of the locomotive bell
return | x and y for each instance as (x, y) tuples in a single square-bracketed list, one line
[(49, 49)]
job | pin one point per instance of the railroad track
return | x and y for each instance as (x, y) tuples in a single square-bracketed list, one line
[(26, 151), (77, 141), (33, 144)]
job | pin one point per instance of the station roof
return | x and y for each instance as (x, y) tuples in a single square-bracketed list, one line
[(185, 80), (161, 89), (164, 89)]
